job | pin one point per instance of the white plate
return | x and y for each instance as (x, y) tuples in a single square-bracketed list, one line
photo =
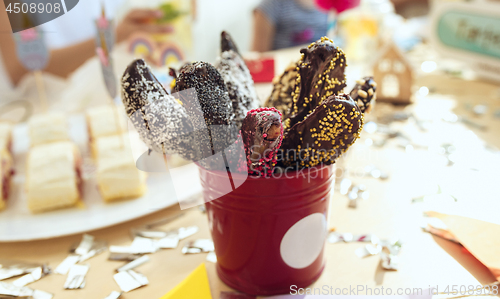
[(17, 223)]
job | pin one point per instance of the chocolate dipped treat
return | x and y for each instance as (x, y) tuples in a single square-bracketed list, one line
[(283, 88), (161, 121), (262, 133), (320, 75), (239, 84), (364, 93), (324, 135), (203, 93), (227, 43)]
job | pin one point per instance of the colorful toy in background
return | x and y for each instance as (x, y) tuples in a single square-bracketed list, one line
[(394, 75), (105, 28), (170, 48), (104, 44)]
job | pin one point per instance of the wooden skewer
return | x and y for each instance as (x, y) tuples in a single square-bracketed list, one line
[(41, 90), (104, 47)]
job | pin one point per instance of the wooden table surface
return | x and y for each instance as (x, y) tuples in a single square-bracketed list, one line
[(425, 260)]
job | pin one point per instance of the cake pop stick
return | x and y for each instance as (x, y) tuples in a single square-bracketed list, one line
[(323, 135), (262, 133)]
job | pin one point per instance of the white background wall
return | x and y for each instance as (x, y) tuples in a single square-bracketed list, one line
[(213, 16)]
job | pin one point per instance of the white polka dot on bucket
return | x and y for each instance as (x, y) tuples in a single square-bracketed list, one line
[(303, 242)]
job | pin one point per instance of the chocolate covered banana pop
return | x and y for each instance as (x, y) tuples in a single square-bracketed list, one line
[(204, 95), (321, 75), (239, 84), (364, 93), (283, 88), (161, 121), (227, 43), (323, 135), (262, 133)]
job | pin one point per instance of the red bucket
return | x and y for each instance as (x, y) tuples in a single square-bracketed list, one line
[(269, 233)]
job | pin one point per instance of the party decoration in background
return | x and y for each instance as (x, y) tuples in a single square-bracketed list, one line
[(105, 27), (394, 75), (469, 32), (31, 49), (33, 53), (168, 48), (104, 41)]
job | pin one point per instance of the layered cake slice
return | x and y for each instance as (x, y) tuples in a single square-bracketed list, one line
[(48, 127), (105, 120), (117, 174), (5, 136), (53, 177), (6, 163)]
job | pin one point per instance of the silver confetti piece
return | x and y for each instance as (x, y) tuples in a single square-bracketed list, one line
[(212, 257), (97, 248), (335, 237), (368, 250), (143, 245), (140, 245), (169, 242), (28, 278), (347, 237), (164, 220), (10, 268), (65, 265), (345, 186), (8, 273), (185, 232), (120, 249), (135, 263), (375, 172), (85, 245), (198, 246), (10, 290), (149, 233), (37, 294), (76, 277), (480, 109), (113, 256), (130, 280), (389, 261), (114, 295)]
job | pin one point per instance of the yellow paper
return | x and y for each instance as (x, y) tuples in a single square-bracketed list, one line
[(194, 286)]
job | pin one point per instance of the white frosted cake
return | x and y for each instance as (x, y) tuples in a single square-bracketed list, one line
[(53, 177), (117, 174), (48, 127)]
